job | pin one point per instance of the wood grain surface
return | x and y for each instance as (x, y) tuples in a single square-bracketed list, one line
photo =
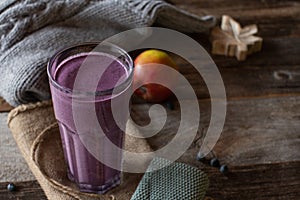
[(256, 131), (4, 106), (24, 190), (13, 166), (261, 138)]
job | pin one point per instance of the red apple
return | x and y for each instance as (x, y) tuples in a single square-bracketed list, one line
[(150, 66)]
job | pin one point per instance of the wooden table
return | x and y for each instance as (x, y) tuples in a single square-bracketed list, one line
[(261, 139)]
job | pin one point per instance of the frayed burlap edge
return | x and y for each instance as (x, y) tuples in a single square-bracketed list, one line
[(58, 186), (29, 135)]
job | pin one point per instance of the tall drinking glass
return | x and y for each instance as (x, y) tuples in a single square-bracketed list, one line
[(116, 68)]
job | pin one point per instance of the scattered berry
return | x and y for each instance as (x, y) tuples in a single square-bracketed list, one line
[(11, 187), (224, 169), (214, 162), (200, 156), (170, 105)]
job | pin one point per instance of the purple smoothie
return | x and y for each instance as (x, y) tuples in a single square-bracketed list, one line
[(88, 172)]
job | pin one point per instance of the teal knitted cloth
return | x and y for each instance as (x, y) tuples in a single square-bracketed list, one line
[(177, 181)]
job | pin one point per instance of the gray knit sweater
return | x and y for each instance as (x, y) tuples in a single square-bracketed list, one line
[(33, 30)]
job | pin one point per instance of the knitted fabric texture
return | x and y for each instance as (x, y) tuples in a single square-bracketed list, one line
[(176, 181), (33, 30)]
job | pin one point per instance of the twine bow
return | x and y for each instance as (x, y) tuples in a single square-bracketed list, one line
[(233, 40)]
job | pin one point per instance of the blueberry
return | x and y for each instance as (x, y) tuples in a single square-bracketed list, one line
[(200, 156), (11, 187), (170, 105), (224, 169), (214, 162)]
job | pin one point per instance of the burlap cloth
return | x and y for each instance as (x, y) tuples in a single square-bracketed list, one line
[(37, 135)]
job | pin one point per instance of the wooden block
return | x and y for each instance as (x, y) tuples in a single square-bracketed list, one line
[(232, 40)]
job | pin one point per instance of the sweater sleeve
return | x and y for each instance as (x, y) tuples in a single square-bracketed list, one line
[(33, 30)]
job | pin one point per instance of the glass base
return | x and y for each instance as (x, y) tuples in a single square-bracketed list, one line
[(99, 189), (84, 169)]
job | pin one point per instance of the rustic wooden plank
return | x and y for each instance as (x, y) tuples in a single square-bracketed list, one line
[(260, 144), (256, 131), (266, 8), (282, 50), (260, 15), (247, 80), (4, 106), (261, 131), (278, 53), (259, 182), (13, 166), (274, 18), (234, 4), (29, 190), (278, 23), (275, 51), (262, 182)]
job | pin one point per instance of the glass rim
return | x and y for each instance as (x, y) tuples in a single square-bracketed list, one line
[(77, 93)]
